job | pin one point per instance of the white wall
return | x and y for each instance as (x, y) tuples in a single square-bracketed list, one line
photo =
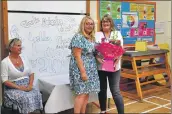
[(163, 14), (52, 6)]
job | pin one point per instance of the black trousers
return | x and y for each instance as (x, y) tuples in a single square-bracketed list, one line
[(114, 81)]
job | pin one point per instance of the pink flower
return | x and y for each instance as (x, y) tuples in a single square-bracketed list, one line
[(116, 42), (109, 50)]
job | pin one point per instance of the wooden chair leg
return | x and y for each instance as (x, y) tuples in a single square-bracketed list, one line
[(137, 81), (138, 87), (168, 71)]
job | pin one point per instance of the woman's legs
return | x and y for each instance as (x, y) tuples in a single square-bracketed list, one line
[(83, 108), (114, 81), (103, 90), (79, 103)]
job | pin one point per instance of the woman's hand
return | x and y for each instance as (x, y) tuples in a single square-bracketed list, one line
[(116, 42), (25, 88), (22, 88), (117, 60), (29, 88), (100, 60), (84, 76)]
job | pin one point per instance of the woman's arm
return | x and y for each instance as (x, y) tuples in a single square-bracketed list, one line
[(13, 85), (98, 38), (31, 79), (120, 38), (4, 76), (99, 59), (77, 54)]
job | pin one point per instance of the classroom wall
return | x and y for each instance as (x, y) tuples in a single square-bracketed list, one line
[(163, 9), (93, 10), (163, 14), (50, 6)]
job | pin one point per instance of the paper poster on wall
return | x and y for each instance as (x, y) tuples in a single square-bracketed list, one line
[(142, 32), (129, 19), (133, 7), (142, 16), (150, 31), (105, 8), (135, 20), (118, 24), (125, 32), (150, 16), (116, 10), (147, 39), (142, 25), (141, 7), (159, 27), (134, 32), (150, 9)]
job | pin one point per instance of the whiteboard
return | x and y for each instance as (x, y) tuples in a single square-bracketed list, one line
[(49, 6), (45, 40)]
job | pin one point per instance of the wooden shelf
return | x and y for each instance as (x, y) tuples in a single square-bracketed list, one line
[(144, 72), (150, 65), (135, 71)]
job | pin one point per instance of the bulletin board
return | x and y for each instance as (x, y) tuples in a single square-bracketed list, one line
[(135, 20)]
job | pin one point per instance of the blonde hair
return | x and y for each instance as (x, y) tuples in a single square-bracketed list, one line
[(12, 42), (107, 17), (82, 30)]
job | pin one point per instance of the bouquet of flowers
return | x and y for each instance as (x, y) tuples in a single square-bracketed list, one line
[(110, 52)]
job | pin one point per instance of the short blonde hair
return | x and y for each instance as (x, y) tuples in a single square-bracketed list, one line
[(82, 31), (12, 42), (107, 17)]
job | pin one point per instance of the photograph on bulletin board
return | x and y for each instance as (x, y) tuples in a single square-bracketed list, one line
[(135, 20)]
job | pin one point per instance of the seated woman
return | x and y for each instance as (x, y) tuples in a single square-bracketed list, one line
[(18, 81)]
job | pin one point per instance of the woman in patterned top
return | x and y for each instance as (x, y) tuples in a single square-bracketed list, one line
[(82, 69), (17, 78)]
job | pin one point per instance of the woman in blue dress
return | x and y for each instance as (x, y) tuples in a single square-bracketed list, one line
[(83, 69)]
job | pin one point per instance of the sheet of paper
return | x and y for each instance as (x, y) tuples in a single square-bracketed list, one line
[(116, 10), (159, 27), (130, 19), (133, 7)]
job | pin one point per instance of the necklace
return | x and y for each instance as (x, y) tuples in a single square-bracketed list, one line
[(16, 60), (107, 38)]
